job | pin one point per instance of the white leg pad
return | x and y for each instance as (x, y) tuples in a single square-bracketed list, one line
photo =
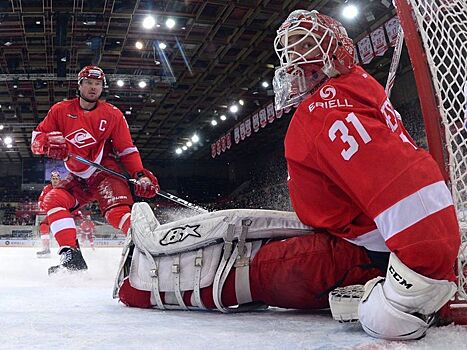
[(402, 306), (382, 320)]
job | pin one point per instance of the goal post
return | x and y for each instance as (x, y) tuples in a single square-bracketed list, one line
[(436, 39)]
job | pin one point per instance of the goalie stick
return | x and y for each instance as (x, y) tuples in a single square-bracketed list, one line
[(133, 181)]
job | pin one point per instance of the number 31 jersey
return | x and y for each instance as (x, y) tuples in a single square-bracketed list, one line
[(355, 172)]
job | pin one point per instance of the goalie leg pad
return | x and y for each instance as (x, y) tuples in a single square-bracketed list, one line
[(380, 319), (402, 306)]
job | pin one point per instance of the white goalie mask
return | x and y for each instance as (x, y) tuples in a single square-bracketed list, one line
[(311, 48)]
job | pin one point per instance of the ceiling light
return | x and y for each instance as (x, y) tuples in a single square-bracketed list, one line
[(149, 22), (9, 145), (241, 102), (15, 86), (127, 112), (170, 23), (184, 148), (178, 151), (139, 45), (117, 96), (120, 83), (162, 46), (213, 122), (38, 22), (8, 140), (142, 84), (350, 11), (195, 138), (223, 117), (189, 144), (233, 109), (270, 66), (1, 126), (8, 43), (265, 84)]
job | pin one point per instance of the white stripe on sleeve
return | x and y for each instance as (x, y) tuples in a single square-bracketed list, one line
[(413, 208)]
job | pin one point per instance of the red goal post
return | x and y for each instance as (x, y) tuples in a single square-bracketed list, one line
[(436, 38)]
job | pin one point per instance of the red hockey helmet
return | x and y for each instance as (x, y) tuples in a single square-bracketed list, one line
[(312, 48), (92, 72)]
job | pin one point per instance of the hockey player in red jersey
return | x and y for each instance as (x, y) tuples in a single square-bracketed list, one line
[(44, 225), (87, 229), (356, 177), (98, 131)]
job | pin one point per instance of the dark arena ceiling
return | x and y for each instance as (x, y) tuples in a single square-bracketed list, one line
[(217, 53)]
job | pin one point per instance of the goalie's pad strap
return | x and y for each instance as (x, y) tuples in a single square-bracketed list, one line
[(176, 272), (196, 296)]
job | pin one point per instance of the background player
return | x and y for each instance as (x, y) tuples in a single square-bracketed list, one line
[(44, 225), (97, 131)]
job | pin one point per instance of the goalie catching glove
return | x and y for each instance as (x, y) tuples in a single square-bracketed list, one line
[(52, 144), (146, 185)]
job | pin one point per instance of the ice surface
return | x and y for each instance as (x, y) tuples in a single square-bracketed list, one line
[(78, 312)]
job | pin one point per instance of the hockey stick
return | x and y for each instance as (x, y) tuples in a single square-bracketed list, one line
[(395, 62), (133, 181)]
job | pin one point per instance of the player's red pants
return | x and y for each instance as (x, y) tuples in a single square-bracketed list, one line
[(112, 194), (293, 273)]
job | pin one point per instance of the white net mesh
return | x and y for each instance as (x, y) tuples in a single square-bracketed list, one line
[(443, 28)]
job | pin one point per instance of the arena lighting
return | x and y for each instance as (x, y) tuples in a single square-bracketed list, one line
[(162, 46), (8, 140), (149, 22), (184, 148), (350, 11), (1, 126), (265, 84), (178, 150), (142, 84), (241, 102), (213, 122), (170, 23), (223, 117), (233, 109), (189, 144), (139, 45), (195, 138), (120, 82), (9, 145)]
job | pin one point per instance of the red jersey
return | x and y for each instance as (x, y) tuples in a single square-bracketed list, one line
[(45, 190), (87, 227), (355, 172), (91, 135)]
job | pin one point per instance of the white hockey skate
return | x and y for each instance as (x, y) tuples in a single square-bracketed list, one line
[(44, 253)]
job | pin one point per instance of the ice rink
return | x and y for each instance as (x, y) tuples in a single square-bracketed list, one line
[(78, 312)]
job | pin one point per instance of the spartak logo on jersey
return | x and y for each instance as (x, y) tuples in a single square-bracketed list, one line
[(80, 138), (328, 92)]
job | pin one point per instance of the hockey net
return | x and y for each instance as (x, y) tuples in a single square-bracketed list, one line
[(436, 38)]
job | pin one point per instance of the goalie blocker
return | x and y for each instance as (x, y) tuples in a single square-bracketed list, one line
[(234, 260)]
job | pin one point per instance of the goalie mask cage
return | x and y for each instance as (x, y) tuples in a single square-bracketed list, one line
[(436, 39)]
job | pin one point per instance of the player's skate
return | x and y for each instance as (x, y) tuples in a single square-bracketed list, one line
[(44, 253), (71, 259)]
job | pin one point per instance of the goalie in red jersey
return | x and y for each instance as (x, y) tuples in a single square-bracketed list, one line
[(98, 131), (380, 210)]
